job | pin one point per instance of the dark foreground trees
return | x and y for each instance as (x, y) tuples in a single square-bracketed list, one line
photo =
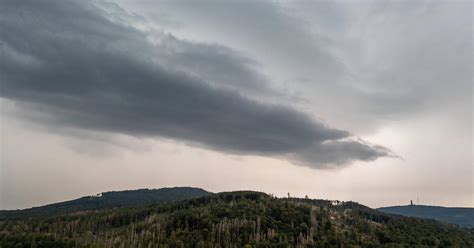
[(236, 219)]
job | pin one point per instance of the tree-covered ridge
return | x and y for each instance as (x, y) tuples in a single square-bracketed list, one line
[(112, 199), (234, 219)]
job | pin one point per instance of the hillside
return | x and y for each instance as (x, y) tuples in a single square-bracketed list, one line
[(460, 216), (113, 199), (233, 219)]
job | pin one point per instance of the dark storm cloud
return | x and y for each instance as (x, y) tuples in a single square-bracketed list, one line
[(340, 152), (73, 64)]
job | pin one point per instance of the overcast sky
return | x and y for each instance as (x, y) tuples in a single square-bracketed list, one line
[(369, 101)]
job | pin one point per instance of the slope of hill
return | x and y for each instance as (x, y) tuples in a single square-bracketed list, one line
[(460, 216), (105, 200), (234, 219)]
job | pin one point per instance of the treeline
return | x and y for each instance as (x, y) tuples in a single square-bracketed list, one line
[(236, 219), (106, 200)]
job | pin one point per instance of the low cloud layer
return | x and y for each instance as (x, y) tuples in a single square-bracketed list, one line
[(75, 64)]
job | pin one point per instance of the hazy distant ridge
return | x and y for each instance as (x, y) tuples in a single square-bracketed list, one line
[(460, 216)]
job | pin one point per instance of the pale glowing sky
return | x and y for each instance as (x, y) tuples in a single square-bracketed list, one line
[(369, 101)]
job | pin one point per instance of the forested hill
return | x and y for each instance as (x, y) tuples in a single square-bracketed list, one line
[(460, 216), (113, 199), (234, 219)]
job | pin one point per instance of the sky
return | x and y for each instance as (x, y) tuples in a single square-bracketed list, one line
[(368, 101)]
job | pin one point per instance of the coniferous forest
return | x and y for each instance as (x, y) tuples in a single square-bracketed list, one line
[(234, 219)]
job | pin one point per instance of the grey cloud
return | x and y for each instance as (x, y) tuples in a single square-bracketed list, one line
[(377, 61), (282, 39), (73, 65), (336, 152), (215, 64)]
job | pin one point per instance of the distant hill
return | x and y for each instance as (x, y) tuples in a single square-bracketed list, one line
[(234, 219), (460, 216), (113, 199)]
